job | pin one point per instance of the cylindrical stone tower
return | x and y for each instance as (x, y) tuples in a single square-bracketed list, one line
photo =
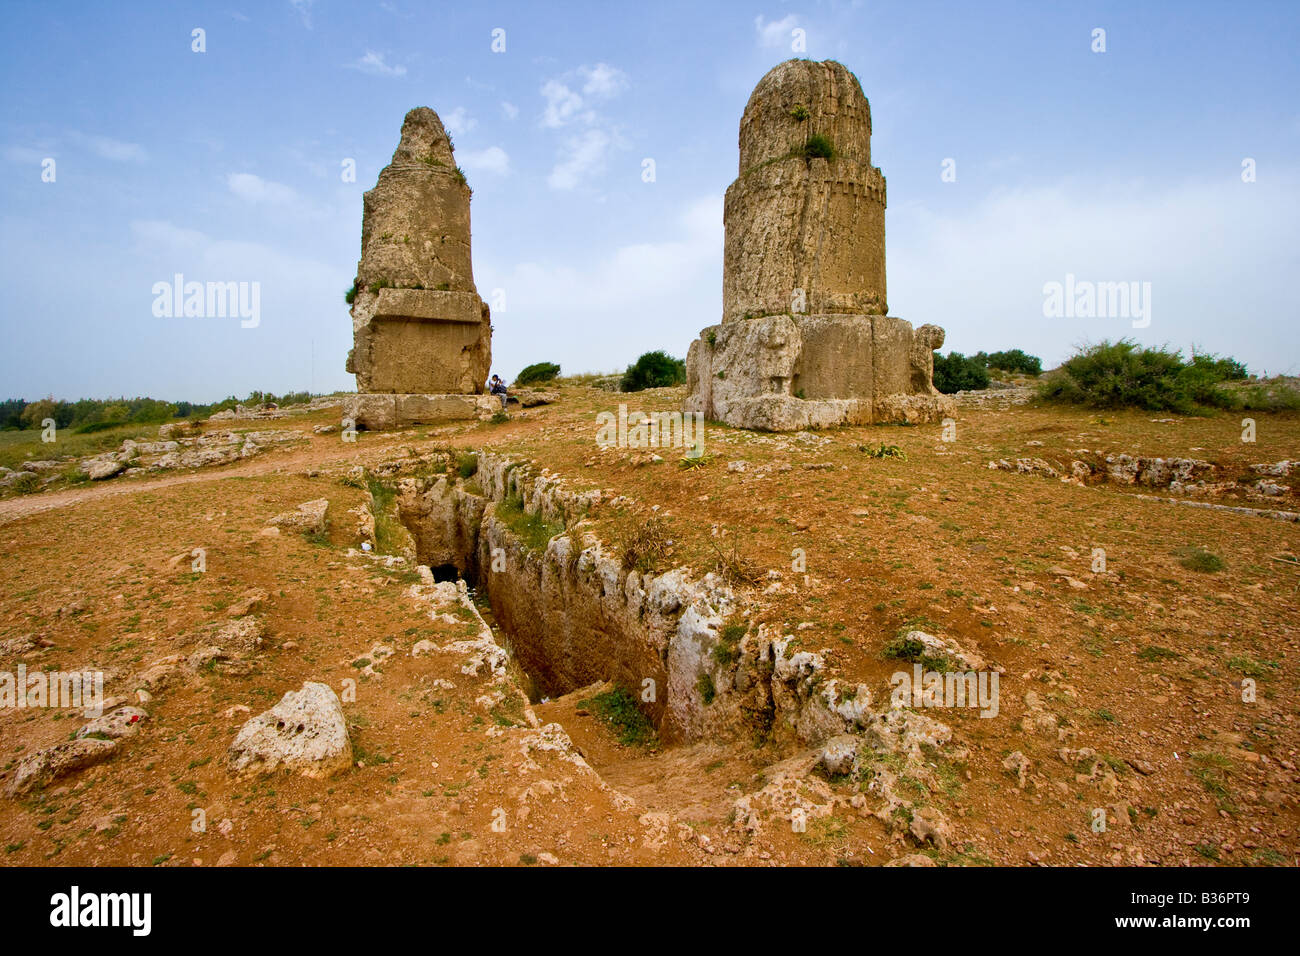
[(805, 219)]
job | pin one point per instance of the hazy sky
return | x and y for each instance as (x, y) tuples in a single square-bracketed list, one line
[(226, 165)]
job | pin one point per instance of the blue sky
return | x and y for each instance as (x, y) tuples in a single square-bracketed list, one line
[(226, 165)]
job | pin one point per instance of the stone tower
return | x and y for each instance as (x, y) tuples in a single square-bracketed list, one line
[(805, 340), (421, 334)]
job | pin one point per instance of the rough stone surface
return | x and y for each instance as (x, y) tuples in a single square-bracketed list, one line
[(304, 733), (122, 722), (814, 224), (793, 372), (99, 470), (171, 430), (378, 412), (309, 517), (40, 768), (805, 341), (419, 326)]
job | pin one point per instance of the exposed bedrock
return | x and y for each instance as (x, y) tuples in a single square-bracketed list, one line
[(572, 615)]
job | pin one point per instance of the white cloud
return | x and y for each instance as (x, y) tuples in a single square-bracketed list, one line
[(584, 155), (562, 104), (110, 149), (602, 80), (491, 160), (258, 190), (375, 64), (509, 109), (458, 121), (775, 33)]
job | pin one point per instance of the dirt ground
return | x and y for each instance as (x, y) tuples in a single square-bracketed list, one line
[(1145, 664)]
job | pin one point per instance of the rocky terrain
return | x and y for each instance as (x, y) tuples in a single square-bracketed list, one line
[(433, 646)]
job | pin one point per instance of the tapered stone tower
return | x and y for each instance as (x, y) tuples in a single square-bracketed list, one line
[(422, 337)]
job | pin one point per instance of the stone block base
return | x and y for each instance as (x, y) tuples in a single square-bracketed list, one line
[(791, 372), (378, 412), (785, 413)]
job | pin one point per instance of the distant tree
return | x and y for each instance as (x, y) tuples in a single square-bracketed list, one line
[(11, 411), (1014, 360), (151, 410), (653, 370), (537, 372), (37, 412), (957, 372)]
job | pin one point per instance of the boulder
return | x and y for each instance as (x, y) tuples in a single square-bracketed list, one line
[(309, 517), (39, 769), (122, 722), (304, 733), (97, 469)]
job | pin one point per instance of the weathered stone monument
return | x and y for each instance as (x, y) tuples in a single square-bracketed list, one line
[(805, 339), (422, 337)]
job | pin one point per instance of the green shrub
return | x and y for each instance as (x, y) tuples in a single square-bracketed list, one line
[(499, 417), (1014, 360), (618, 709), (532, 529), (388, 530), (956, 373), (653, 370), (706, 688), (467, 464), (91, 427), (819, 146), (1199, 559), (903, 648), (1223, 369), (1123, 375), (883, 451), (537, 372), (351, 295)]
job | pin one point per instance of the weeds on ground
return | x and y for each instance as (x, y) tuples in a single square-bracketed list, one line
[(646, 547), (618, 709)]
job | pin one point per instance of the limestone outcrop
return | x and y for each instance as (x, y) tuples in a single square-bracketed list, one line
[(36, 770), (420, 330), (805, 340), (304, 733)]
